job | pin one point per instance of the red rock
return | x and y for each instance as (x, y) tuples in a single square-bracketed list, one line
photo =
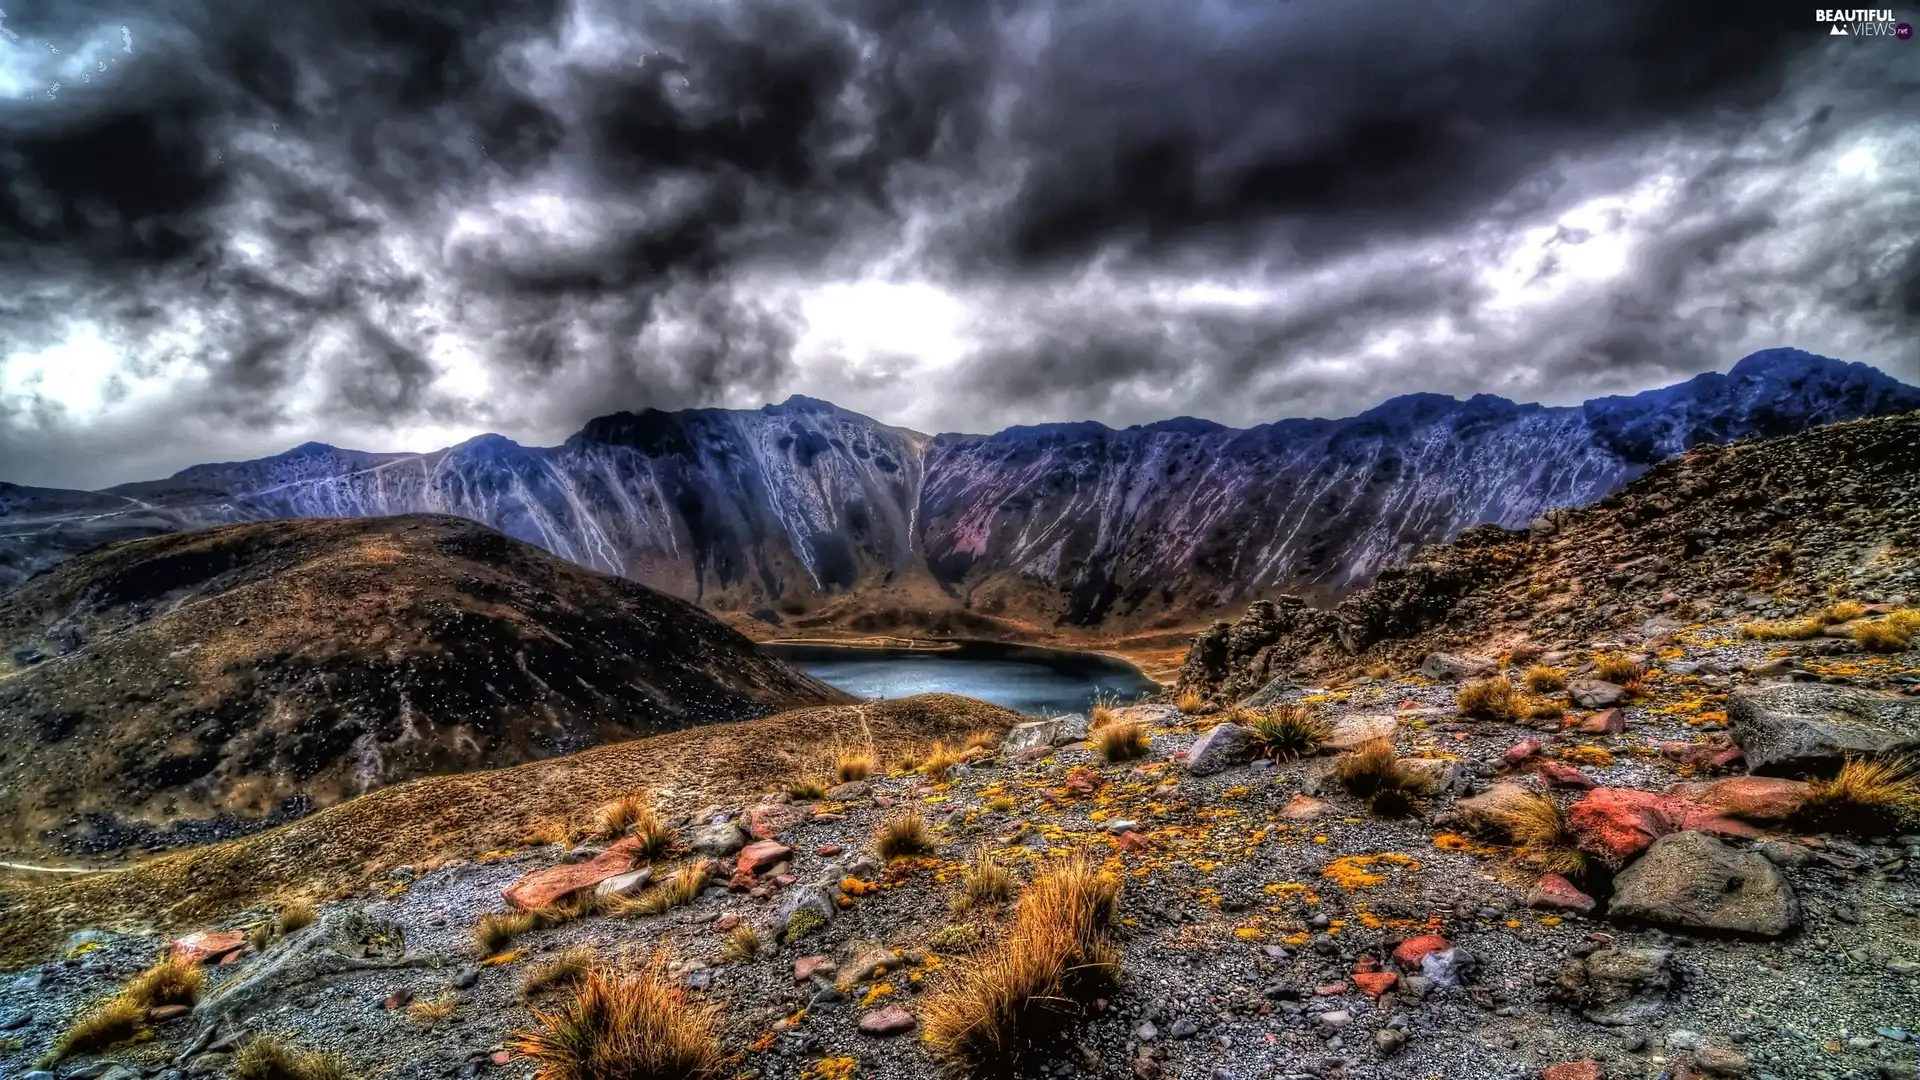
[(1555, 893), (1305, 808), (725, 923), (805, 967), (1605, 722), (1587, 1069), (762, 855), (1131, 841), (1375, 983), (232, 958), (1414, 949), (207, 946), (1333, 989), (1728, 760), (1752, 798), (397, 1000), (892, 1020), (1562, 775), (768, 822), (743, 879), (160, 1014), (1083, 781), (500, 1057), (552, 884), (1619, 823), (1520, 751), (784, 879), (828, 849)]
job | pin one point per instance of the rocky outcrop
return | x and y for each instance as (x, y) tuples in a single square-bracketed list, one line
[(1693, 881), (1232, 660), (1795, 729)]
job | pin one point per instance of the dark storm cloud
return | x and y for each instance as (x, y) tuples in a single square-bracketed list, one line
[(414, 216)]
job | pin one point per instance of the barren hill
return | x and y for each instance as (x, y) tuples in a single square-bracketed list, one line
[(1760, 529), (223, 673)]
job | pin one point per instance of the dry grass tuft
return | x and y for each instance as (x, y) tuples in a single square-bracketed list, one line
[(170, 982), (983, 740), (743, 944), (985, 883), (853, 765), (939, 761), (632, 1027), (1894, 633), (1539, 832), (297, 915), (1372, 771), (1542, 679), (1617, 670), (496, 930), (1121, 741), (902, 835), (1380, 671), (549, 831), (1489, 699), (267, 1058), (1546, 710), (616, 817), (567, 969), (1104, 712), (1866, 797), (681, 888), (1014, 1003), (1190, 701), (807, 790), (1286, 731), (114, 1022), (432, 1010)]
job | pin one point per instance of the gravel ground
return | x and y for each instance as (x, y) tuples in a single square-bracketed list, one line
[(1237, 944)]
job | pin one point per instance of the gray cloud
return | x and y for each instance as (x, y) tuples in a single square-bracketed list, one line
[(402, 223)]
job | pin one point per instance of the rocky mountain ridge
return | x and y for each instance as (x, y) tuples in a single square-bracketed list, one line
[(807, 516)]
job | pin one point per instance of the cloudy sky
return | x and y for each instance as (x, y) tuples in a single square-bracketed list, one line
[(229, 226)]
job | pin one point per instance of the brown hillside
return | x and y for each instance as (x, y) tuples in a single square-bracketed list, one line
[(437, 818), (226, 673)]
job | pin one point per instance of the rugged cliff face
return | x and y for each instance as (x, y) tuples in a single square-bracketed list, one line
[(804, 513)]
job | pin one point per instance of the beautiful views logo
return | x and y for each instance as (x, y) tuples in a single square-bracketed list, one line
[(1862, 22)]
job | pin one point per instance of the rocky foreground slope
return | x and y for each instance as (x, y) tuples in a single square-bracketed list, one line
[(1698, 921), (182, 687), (806, 517)]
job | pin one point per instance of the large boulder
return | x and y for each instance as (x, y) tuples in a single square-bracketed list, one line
[(553, 884), (1039, 734), (1619, 986), (1693, 881), (1617, 824), (1452, 667), (717, 839), (1595, 693), (1750, 798), (1222, 748), (1794, 729), (1349, 732)]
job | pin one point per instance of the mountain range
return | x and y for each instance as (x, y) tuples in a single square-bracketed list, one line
[(804, 515)]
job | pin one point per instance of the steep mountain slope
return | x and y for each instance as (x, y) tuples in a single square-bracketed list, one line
[(221, 672), (1785, 526), (806, 516)]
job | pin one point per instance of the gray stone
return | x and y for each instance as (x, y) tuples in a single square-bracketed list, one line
[(1350, 731), (1273, 693), (718, 839), (466, 977), (1222, 748), (1790, 729), (1619, 987), (1035, 734), (1595, 693), (1454, 667), (625, 884), (849, 791), (1784, 853), (1434, 776), (1691, 880)]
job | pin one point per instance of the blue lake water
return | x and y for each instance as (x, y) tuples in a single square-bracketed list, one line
[(1036, 681)]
